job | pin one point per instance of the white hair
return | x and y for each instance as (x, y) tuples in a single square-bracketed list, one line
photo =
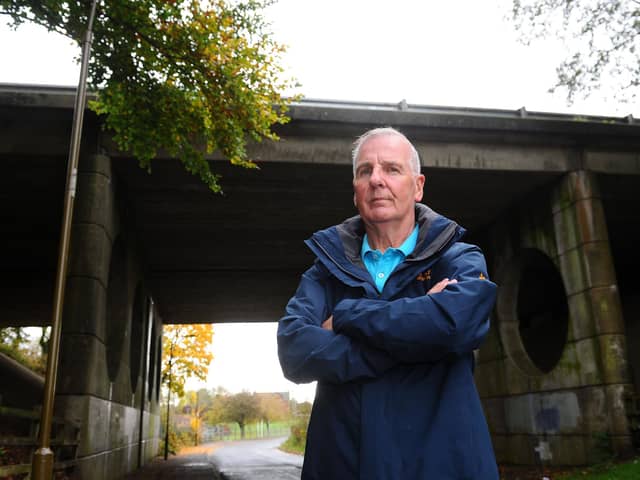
[(414, 160)]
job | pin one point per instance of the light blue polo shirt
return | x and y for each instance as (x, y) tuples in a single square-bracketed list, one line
[(381, 265)]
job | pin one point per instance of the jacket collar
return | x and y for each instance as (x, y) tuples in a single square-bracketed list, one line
[(338, 247)]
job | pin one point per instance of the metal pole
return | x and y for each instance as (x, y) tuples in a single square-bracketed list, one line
[(166, 430), (42, 463), (145, 378)]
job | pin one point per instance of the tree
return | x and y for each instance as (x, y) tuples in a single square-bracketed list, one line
[(272, 408), (185, 76), (13, 337), (185, 353), (603, 38), (216, 414), (241, 408), (198, 404), (17, 344)]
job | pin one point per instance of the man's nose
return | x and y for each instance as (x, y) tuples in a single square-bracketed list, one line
[(376, 177)]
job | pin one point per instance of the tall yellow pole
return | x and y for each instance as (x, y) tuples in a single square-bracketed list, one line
[(42, 463)]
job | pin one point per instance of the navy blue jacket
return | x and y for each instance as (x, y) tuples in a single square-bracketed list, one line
[(395, 398)]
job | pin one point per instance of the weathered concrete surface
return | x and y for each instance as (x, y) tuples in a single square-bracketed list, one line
[(580, 402), (478, 164), (564, 186), (106, 386)]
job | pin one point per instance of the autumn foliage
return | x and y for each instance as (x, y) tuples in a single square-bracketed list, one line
[(273, 408), (187, 77), (186, 353)]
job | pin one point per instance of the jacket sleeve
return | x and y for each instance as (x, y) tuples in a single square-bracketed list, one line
[(430, 327), (307, 352)]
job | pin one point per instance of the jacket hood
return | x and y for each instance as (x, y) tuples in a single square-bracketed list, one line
[(338, 247)]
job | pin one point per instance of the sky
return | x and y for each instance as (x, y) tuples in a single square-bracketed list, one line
[(246, 358), (460, 53), (428, 52)]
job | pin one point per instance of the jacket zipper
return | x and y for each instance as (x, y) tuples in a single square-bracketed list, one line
[(344, 270)]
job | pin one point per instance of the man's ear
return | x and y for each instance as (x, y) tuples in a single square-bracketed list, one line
[(355, 204), (419, 187)]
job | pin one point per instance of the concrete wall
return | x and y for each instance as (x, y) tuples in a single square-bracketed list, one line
[(631, 309), (106, 384), (570, 411), (567, 408)]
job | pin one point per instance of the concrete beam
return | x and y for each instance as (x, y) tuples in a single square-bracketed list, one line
[(216, 297), (613, 162)]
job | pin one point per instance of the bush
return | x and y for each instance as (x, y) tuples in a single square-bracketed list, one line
[(173, 443), (177, 440), (298, 438)]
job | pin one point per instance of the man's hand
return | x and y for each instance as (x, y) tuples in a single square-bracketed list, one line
[(328, 323), (438, 287)]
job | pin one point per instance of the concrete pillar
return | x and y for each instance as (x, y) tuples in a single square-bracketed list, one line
[(83, 391), (84, 329), (575, 410), (584, 256), (95, 387)]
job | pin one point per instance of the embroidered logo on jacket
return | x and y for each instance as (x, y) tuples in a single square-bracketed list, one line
[(482, 277), (424, 276)]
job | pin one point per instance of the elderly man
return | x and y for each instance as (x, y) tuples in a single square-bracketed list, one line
[(386, 320)]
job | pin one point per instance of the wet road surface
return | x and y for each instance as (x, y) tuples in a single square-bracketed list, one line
[(256, 460)]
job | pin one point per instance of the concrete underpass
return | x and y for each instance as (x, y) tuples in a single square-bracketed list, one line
[(551, 199)]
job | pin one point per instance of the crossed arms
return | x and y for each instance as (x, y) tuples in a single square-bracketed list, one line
[(342, 340), (437, 288)]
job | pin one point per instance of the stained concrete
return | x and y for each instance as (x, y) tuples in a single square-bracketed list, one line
[(566, 188), (583, 397)]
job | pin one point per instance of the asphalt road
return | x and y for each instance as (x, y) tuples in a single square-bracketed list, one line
[(256, 460)]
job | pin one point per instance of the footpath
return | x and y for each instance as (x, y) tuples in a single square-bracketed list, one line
[(192, 463)]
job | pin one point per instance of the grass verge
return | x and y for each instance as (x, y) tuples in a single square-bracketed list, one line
[(293, 445), (629, 470)]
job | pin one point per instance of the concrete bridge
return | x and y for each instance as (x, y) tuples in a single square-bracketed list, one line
[(552, 199)]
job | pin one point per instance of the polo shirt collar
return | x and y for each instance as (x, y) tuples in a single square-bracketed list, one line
[(406, 248)]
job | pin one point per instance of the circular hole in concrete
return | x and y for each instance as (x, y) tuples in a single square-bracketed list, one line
[(533, 312), (542, 310)]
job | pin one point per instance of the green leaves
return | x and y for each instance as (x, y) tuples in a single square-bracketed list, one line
[(241, 408), (187, 77)]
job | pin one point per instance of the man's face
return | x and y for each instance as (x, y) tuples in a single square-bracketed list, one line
[(385, 187)]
